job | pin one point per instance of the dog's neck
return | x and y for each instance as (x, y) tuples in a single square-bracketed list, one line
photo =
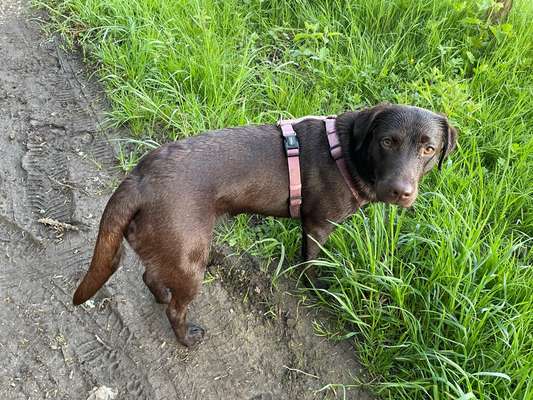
[(360, 177)]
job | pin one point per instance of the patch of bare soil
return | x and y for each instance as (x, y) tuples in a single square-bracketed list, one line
[(56, 173)]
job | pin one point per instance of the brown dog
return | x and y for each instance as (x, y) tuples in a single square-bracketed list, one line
[(167, 206)]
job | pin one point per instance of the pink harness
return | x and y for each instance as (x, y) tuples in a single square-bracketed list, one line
[(292, 149)]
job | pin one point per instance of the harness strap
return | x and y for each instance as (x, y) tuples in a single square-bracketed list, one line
[(292, 150), (336, 152)]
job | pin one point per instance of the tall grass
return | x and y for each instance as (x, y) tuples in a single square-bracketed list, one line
[(438, 300)]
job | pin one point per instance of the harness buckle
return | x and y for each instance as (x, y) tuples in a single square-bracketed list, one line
[(291, 143)]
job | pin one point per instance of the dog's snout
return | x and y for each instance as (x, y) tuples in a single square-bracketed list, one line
[(402, 190), (398, 191)]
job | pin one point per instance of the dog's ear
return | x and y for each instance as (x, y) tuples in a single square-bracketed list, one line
[(363, 124), (449, 139)]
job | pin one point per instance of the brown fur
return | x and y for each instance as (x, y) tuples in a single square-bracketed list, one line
[(167, 207), (197, 255)]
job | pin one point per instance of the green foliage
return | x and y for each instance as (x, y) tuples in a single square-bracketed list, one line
[(437, 300)]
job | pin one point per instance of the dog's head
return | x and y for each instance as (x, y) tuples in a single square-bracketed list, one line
[(394, 146)]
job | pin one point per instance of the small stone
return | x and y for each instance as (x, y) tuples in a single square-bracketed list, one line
[(102, 393), (90, 304)]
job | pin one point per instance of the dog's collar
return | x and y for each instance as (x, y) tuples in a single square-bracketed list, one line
[(292, 150)]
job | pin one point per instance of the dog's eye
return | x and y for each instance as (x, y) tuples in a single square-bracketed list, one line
[(428, 150), (386, 142)]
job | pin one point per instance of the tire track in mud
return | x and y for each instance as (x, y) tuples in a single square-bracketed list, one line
[(48, 178)]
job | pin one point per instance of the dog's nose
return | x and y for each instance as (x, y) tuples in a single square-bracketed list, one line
[(402, 190)]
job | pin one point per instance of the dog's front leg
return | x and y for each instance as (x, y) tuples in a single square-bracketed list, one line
[(314, 235)]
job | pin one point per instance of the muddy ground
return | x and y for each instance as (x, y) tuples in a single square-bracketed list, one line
[(57, 162)]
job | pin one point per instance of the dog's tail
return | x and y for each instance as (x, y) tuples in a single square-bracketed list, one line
[(118, 213)]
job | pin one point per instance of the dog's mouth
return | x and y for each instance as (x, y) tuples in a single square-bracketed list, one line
[(406, 203)]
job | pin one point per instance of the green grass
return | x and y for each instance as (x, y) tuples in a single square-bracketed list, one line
[(438, 301)]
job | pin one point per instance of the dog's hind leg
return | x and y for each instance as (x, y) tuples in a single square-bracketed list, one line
[(183, 293), (183, 274), (161, 293), (174, 247), (174, 276)]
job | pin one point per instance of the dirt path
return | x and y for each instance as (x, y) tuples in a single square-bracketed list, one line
[(55, 163)]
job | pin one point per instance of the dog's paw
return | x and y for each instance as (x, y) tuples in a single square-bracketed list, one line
[(194, 335)]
